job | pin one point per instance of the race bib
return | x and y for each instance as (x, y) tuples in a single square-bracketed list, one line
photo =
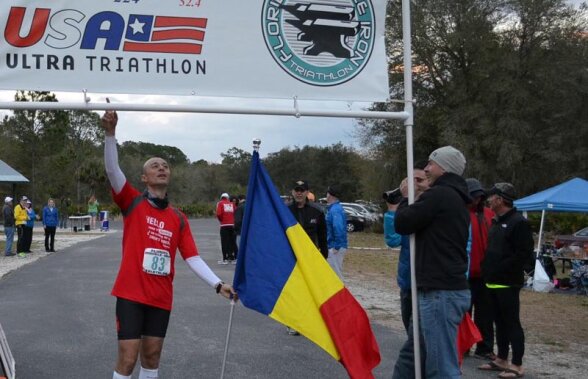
[(156, 262)]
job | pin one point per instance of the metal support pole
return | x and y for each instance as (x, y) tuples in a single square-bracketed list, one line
[(228, 339), (294, 111), (408, 123)]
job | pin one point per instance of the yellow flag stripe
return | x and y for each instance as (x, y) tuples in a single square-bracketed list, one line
[(311, 283)]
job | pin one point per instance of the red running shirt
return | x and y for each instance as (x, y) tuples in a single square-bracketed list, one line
[(151, 237)]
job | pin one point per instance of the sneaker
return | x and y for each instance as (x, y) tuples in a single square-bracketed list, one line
[(223, 262), (292, 332), (22, 255), (234, 262), (9, 255)]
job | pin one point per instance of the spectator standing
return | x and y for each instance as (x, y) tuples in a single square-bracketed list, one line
[(225, 213), (336, 230), (50, 221), (93, 211), (28, 227), (20, 219), (239, 213), (480, 221), (510, 246), (144, 284), (65, 203), (440, 221), (8, 215), (309, 216), (393, 239)]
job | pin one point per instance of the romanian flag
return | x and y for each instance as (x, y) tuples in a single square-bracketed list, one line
[(281, 273)]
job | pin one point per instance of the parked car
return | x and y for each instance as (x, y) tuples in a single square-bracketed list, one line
[(362, 211), (355, 222), (580, 238)]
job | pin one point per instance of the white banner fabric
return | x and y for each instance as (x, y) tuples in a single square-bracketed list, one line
[(327, 49)]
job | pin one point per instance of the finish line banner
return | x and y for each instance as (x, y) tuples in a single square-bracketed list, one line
[(327, 49)]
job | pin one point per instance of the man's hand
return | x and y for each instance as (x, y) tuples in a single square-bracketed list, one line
[(404, 187), (227, 291), (109, 121)]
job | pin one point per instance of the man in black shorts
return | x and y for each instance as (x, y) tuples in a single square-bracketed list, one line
[(153, 232)]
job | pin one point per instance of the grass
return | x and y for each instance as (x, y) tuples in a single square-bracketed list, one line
[(554, 319)]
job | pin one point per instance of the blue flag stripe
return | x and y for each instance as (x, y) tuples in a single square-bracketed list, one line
[(261, 273)]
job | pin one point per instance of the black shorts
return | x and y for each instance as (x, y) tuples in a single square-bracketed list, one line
[(134, 320)]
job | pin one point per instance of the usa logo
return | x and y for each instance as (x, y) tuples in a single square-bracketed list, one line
[(323, 43)]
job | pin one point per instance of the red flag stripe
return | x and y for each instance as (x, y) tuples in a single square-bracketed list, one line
[(164, 35), (178, 48), (161, 22), (352, 334)]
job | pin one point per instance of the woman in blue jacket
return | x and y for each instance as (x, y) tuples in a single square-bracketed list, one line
[(28, 227), (50, 222)]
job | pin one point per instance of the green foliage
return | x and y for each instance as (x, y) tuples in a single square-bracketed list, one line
[(145, 150), (198, 209), (503, 81), (320, 166), (558, 223)]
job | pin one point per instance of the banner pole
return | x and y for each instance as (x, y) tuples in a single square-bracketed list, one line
[(408, 123), (295, 112), (227, 339)]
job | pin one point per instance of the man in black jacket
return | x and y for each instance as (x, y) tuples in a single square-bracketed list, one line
[(510, 246), (440, 221), (312, 220), (309, 216)]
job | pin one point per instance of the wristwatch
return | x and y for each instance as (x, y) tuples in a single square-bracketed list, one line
[(219, 286)]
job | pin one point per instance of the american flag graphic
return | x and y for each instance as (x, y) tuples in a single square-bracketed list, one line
[(162, 34)]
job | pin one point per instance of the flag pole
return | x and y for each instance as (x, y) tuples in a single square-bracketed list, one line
[(228, 338), (256, 144)]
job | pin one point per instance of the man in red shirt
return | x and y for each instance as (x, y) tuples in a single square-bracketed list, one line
[(225, 212), (153, 232), (480, 221)]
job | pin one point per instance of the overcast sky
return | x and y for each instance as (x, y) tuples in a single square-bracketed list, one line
[(205, 136)]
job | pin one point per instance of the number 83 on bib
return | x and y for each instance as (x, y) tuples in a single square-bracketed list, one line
[(156, 262)]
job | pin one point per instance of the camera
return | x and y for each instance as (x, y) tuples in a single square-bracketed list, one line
[(393, 196)]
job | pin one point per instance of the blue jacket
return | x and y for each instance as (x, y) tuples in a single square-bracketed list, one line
[(394, 239), (31, 221), (336, 226), (50, 216)]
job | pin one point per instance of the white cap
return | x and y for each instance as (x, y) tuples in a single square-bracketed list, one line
[(7, 199), (225, 195)]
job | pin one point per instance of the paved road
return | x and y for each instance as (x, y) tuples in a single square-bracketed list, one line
[(59, 320)]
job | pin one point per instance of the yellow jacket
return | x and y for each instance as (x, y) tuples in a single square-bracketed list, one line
[(20, 215)]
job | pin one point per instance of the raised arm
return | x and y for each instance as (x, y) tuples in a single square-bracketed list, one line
[(115, 175)]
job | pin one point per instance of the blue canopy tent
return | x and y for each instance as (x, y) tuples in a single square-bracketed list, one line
[(570, 196)]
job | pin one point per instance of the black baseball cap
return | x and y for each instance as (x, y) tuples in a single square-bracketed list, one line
[(302, 184), (504, 190)]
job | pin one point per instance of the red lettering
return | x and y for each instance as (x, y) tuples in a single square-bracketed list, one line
[(14, 26)]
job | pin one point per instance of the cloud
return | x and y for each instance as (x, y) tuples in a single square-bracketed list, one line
[(205, 136)]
